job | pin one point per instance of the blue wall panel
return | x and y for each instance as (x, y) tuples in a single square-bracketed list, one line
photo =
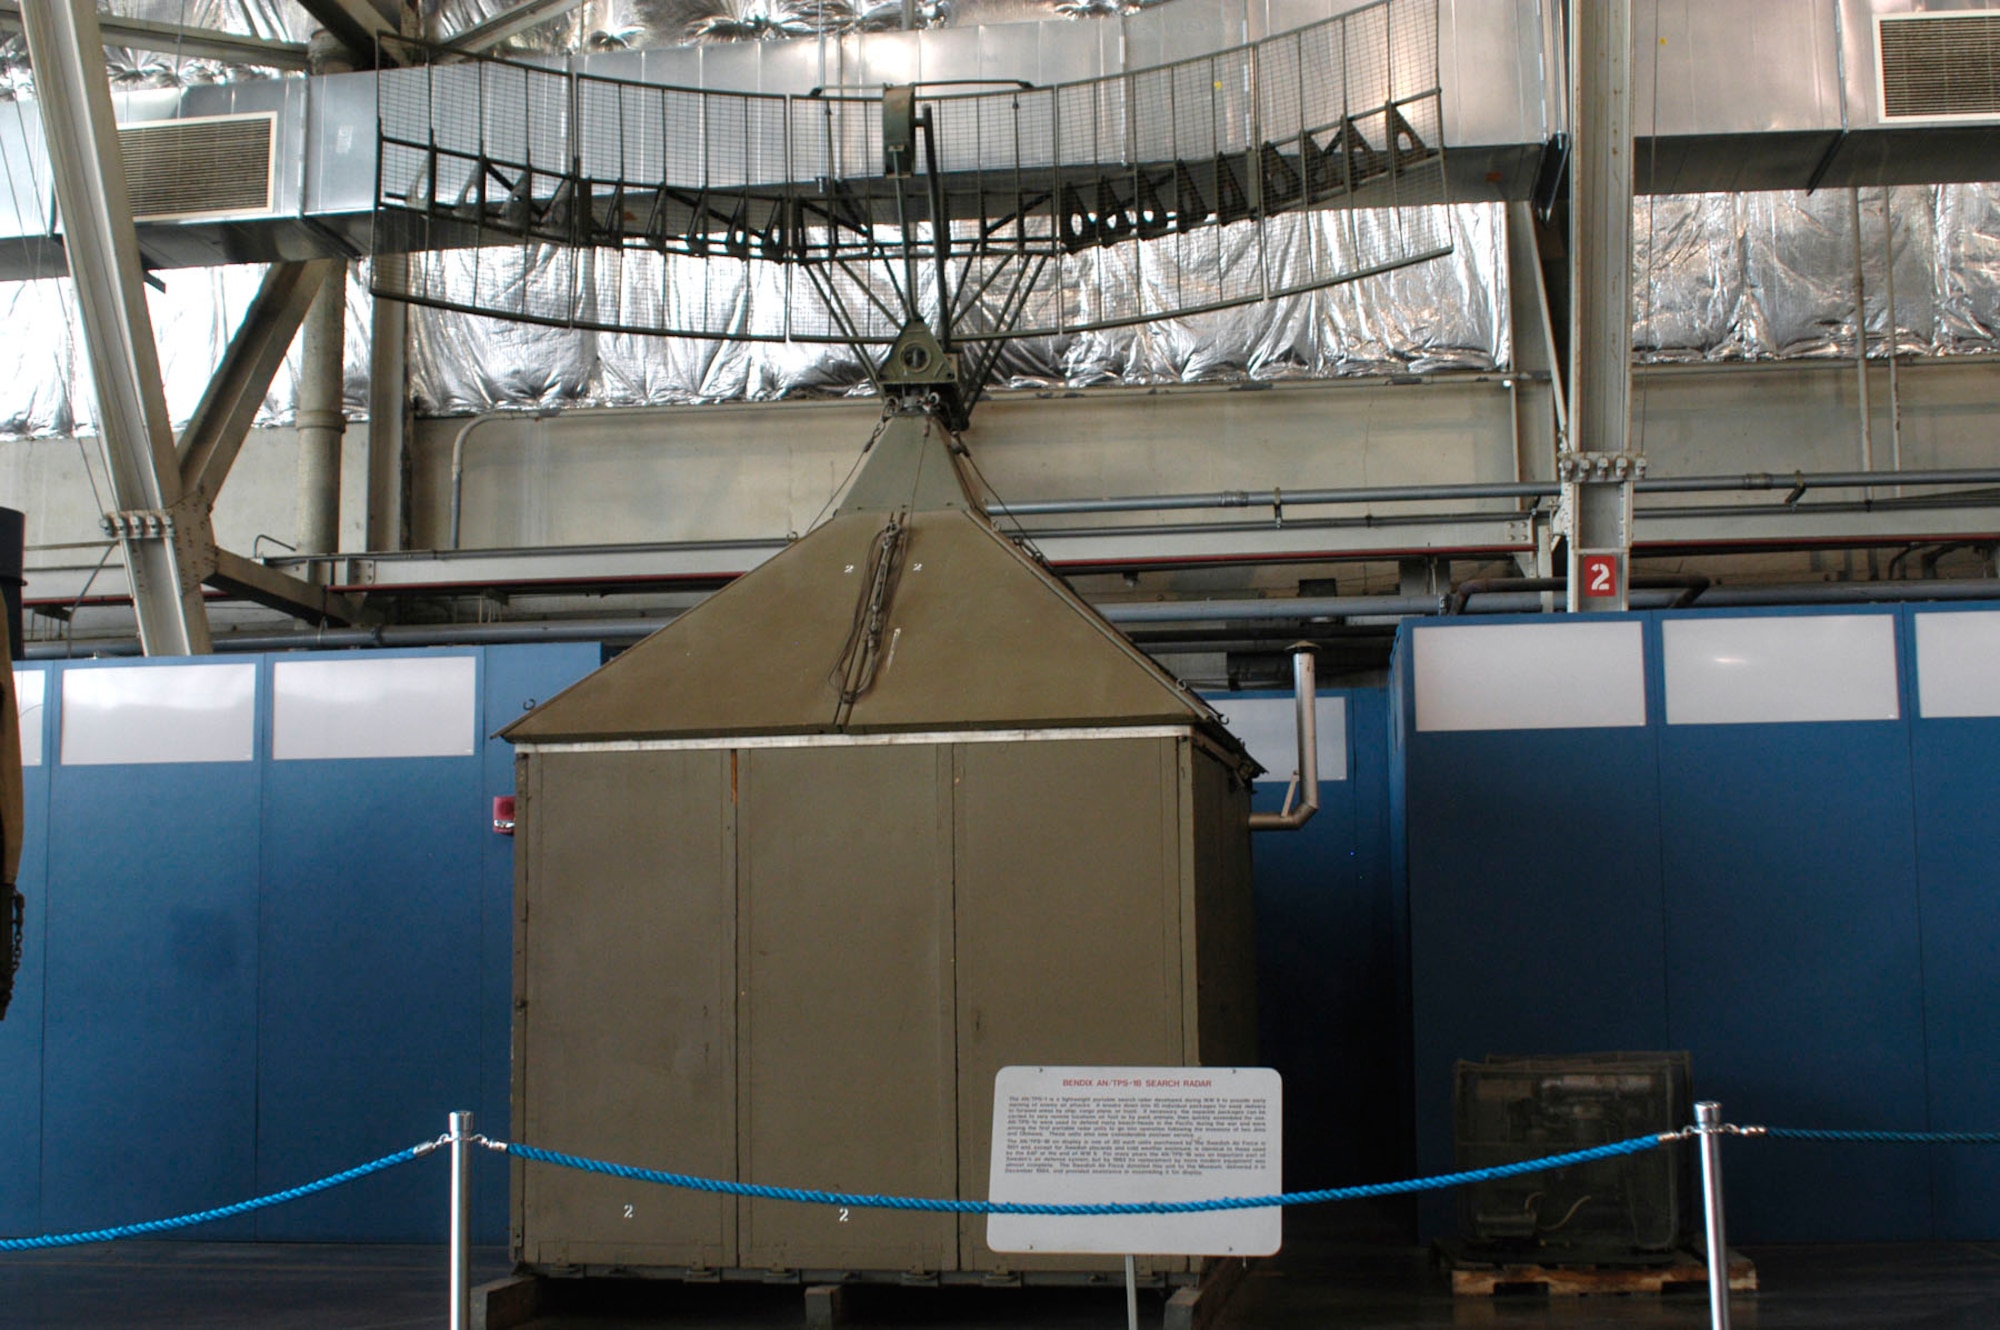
[(1535, 906), (1956, 772), (259, 972), (149, 1060), (370, 1013), (1830, 923), (1328, 996), (1794, 951), (21, 1032)]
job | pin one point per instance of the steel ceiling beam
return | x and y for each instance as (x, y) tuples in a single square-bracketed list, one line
[(357, 24), (200, 43), (213, 438), (485, 36), (274, 589), (164, 538)]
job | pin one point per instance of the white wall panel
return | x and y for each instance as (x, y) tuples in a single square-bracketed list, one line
[(400, 707), (1530, 676), (1793, 668), (1267, 728), (158, 713), (30, 693), (1958, 664)]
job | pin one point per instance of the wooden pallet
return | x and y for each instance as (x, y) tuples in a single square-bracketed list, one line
[(1685, 1272)]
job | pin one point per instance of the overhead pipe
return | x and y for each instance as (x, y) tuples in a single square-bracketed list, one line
[(458, 468), (1280, 498), (1305, 780), (458, 442), (1689, 587), (416, 635), (1131, 612)]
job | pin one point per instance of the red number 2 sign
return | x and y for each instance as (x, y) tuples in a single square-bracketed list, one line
[(1600, 575)]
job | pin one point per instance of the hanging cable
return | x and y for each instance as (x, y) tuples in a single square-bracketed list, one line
[(853, 674)]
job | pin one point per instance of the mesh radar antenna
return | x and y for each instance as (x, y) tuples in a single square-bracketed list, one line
[(926, 223)]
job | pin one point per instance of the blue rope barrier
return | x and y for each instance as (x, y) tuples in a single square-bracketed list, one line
[(221, 1212), (865, 1200), (1886, 1137)]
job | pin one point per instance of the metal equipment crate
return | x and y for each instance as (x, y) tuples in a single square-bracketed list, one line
[(1514, 1108)]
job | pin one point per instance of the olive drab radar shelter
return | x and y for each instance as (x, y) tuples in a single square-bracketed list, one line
[(798, 874)]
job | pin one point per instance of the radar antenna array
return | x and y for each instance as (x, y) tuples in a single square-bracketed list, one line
[(983, 213)]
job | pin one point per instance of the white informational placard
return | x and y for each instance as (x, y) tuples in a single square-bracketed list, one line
[(1122, 1135)]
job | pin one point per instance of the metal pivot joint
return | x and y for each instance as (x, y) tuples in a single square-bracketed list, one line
[(920, 374)]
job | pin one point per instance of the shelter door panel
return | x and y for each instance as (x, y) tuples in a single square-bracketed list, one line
[(1069, 928), (845, 1021), (626, 973)]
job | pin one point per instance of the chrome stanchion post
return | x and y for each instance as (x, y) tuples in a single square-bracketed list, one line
[(461, 1221), (1131, 1294), (1708, 1129)]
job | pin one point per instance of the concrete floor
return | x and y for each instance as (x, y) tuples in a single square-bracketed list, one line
[(1316, 1283)]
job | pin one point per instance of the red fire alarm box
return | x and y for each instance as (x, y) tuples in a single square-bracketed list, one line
[(503, 814)]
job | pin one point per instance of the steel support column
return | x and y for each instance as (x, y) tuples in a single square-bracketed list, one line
[(511, 22), (163, 536), (322, 419), (1596, 467), (388, 417)]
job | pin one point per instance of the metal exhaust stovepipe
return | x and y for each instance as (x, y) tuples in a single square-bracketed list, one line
[(1305, 781)]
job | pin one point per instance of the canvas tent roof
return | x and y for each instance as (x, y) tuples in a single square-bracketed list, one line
[(971, 633)]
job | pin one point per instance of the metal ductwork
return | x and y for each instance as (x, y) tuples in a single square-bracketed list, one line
[(1939, 66), (1746, 95), (201, 168)]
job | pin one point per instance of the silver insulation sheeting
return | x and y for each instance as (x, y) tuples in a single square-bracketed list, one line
[(45, 372), (1772, 276), (606, 25), (1719, 277)]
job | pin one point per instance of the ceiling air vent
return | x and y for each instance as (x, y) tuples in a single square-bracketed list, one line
[(1940, 66), (202, 166)]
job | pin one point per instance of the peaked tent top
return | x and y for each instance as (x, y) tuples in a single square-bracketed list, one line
[(905, 612)]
